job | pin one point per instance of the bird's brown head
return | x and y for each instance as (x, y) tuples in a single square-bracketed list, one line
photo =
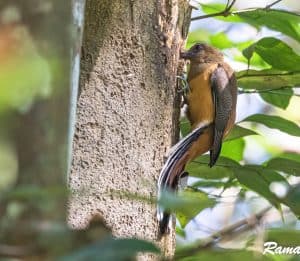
[(202, 53)]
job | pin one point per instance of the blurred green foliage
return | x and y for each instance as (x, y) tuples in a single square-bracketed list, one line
[(34, 63), (35, 66)]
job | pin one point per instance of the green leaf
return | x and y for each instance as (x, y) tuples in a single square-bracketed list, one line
[(187, 204), (284, 237), (268, 79), (208, 184), (293, 196), (214, 8), (180, 231), (28, 80), (256, 60), (285, 165), (290, 155), (198, 201), (278, 98), (276, 122), (292, 199), (185, 126), (268, 174), (233, 149), (216, 254), (250, 177), (197, 36), (221, 41), (199, 168), (248, 52), (276, 53), (277, 20), (239, 132), (112, 249)]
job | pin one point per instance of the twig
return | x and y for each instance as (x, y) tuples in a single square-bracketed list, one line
[(267, 74), (274, 3), (238, 227), (225, 12), (270, 91)]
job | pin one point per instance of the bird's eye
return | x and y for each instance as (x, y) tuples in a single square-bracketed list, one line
[(198, 47)]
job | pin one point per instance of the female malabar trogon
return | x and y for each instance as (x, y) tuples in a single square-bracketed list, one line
[(211, 108)]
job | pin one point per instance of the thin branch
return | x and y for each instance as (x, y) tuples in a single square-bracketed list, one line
[(270, 91), (225, 12), (248, 10), (236, 228), (227, 4), (274, 3), (268, 74), (252, 220), (231, 5)]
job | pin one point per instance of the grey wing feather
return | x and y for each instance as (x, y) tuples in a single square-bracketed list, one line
[(223, 103)]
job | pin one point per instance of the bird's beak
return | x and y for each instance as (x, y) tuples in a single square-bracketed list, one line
[(186, 55)]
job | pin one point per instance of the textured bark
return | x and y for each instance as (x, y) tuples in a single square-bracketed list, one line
[(127, 113)]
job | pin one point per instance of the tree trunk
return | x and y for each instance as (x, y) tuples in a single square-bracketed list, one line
[(127, 114)]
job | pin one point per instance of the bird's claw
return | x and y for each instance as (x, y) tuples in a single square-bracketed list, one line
[(185, 88)]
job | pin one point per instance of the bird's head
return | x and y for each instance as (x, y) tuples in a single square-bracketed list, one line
[(202, 53)]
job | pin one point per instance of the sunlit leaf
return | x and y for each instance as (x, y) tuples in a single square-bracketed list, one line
[(187, 204), (221, 41), (180, 232), (278, 20), (197, 36), (198, 202), (275, 122), (276, 53), (268, 79), (248, 52), (233, 149), (214, 8), (25, 74), (256, 60), (239, 132), (278, 98)]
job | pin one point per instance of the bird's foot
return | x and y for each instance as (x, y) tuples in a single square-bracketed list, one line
[(184, 85)]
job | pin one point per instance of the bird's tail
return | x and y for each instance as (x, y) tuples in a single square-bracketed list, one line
[(171, 173)]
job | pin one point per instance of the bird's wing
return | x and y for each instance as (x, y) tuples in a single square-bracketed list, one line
[(223, 102)]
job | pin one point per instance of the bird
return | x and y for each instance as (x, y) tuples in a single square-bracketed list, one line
[(211, 109)]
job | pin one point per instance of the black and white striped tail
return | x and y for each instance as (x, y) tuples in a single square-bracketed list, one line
[(171, 174)]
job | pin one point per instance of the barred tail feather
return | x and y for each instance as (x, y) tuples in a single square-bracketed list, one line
[(216, 148), (171, 172)]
